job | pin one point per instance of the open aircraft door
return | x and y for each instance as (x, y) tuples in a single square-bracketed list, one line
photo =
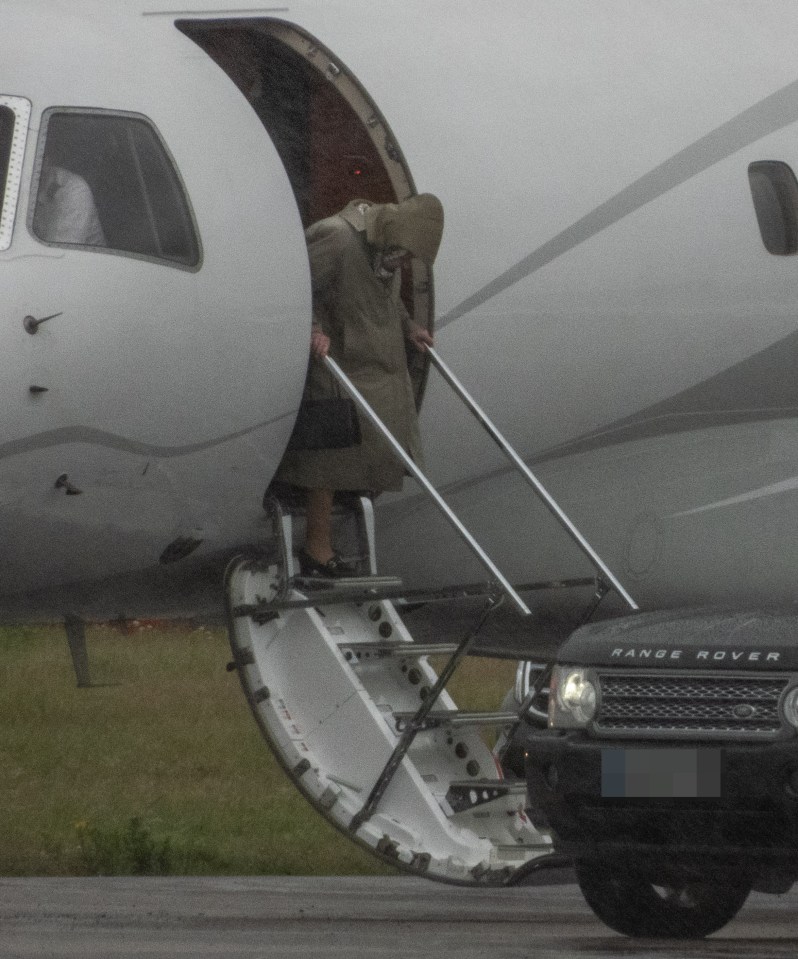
[(134, 274)]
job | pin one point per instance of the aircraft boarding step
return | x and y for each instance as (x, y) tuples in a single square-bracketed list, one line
[(468, 794), (362, 589), (329, 692), (404, 650), (335, 589), (454, 719), (358, 717)]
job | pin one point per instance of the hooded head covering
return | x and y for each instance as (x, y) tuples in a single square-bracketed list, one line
[(415, 225)]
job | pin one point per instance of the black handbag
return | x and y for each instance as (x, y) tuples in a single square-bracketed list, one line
[(327, 424)]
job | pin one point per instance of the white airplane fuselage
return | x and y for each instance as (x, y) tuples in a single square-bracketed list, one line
[(603, 289)]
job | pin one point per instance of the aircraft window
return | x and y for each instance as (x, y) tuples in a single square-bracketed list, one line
[(106, 181), (775, 193), (14, 115)]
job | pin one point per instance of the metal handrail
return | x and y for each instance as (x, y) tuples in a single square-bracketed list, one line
[(405, 457), (530, 477)]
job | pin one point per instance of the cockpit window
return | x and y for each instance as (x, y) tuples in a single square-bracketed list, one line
[(775, 194), (106, 181), (14, 115)]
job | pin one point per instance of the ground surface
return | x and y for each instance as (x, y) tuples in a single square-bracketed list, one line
[(389, 918)]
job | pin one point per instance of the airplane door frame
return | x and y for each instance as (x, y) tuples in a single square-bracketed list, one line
[(235, 45), (10, 184)]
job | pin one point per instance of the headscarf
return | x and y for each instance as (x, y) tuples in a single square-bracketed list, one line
[(415, 225)]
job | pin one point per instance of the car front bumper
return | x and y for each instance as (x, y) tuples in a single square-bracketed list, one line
[(743, 804)]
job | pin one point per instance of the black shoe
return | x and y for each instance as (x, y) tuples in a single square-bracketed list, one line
[(334, 568)]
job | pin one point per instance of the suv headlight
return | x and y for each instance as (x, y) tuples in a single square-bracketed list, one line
[(789, 706), (574, 697)]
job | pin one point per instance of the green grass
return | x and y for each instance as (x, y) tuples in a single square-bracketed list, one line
[(159, 767)]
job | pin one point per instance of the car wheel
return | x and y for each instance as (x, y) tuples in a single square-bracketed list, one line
[(680, 907)]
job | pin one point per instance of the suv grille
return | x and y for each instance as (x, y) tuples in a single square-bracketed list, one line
[(724, 705)]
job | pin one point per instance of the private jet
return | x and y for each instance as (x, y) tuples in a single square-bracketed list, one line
[(614, 305)]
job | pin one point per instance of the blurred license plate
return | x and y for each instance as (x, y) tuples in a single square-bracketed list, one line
[(660, 773)]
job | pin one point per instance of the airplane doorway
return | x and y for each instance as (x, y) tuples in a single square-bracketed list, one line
[(333, 140)]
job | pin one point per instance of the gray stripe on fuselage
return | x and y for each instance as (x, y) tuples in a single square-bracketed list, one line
[(760, 388), (72, 435), (771, 114)]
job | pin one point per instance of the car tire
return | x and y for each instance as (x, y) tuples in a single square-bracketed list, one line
[(680, 907)]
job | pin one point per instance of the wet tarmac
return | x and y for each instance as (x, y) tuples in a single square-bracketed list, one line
[(389, 918)]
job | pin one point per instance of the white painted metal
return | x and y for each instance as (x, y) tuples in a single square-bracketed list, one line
[(532, 120), (327, 710), (160, 403), (13, 178)]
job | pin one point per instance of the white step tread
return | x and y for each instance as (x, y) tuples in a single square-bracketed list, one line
[(457, 718)]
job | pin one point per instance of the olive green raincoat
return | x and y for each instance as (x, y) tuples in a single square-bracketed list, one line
[(367, 324)]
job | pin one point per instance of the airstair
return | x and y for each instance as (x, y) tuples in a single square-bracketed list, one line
[(357, 716)]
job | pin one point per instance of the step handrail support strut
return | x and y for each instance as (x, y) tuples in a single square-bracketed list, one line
[(416, 724), (405, 457)]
